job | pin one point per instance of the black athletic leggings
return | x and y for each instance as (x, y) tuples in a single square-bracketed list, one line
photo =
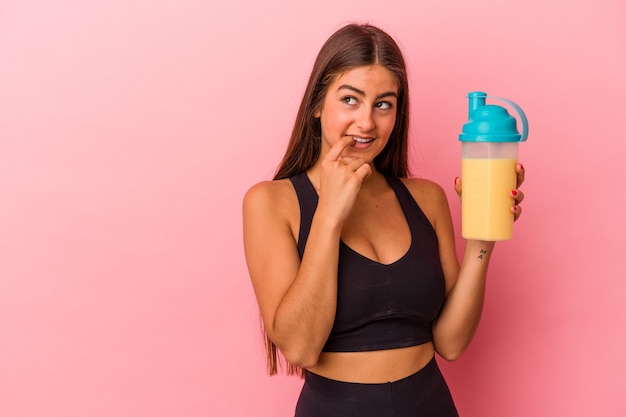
[(425, 393)]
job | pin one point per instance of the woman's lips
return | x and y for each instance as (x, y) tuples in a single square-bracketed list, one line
[(358, 139)]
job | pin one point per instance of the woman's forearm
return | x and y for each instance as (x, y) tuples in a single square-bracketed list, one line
[(459, 318), (306, 313)]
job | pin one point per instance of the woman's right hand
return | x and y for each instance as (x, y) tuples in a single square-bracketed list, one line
[(340, 180)]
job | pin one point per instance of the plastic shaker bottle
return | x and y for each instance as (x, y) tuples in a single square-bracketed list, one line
[(489, 144)]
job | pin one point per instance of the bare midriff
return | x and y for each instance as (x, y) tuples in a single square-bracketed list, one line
[(373, 367)]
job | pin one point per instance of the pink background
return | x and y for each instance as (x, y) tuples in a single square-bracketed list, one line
[(129, 131)]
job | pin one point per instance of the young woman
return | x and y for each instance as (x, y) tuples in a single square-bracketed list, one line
[(353, 263)]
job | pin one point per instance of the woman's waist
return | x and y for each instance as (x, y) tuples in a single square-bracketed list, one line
[(378, 366)]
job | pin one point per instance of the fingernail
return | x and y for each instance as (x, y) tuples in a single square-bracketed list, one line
[(455, 180), (515, 209), (514, 193), (521, 166)]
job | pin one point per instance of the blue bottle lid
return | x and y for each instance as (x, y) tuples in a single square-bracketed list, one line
[(492, 123)]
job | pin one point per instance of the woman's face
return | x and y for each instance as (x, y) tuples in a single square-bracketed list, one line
[(360, 103)]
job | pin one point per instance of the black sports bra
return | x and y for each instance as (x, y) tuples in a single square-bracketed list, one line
[(382, 306)]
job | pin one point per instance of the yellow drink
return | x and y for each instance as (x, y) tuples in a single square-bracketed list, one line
[(486, 201)]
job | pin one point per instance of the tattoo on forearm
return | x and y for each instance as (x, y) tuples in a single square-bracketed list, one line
[(482, 253)]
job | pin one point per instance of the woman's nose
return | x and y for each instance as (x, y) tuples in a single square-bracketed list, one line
[(365, 120)]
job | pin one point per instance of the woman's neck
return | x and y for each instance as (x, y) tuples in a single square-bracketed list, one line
[(374, 182)]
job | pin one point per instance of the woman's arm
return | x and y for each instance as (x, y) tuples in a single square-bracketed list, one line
[(457, 323), (465, 283), (297, 298)]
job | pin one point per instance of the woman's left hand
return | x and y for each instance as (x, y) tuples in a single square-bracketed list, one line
[(516, 194)]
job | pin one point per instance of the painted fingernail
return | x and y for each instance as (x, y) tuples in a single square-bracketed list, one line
[(521, 166), (455, 180), (515, 209), (514, 193)]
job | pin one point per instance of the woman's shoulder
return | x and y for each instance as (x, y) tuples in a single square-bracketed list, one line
[(429, 195), (269, 192), (424, 188), (271, 198)]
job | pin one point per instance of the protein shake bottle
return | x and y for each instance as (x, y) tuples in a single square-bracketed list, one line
[(489, 145)]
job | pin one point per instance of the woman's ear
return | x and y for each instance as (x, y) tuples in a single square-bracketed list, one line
[(318, 112)]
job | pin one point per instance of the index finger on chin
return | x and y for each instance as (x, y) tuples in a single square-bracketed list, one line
[(335, 152)]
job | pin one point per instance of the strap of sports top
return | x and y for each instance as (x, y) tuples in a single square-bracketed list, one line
[(412, 210), (307, 198)]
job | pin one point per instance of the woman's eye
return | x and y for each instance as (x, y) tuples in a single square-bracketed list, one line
[(349, 100), (384, 105)]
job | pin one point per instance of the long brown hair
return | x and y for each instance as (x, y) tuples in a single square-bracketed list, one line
[(352, 46)]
